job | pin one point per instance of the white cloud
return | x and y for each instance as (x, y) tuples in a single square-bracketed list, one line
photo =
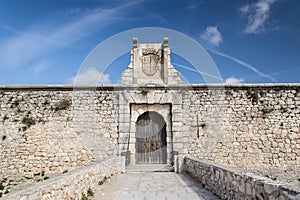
[(244, 64), (212, 35), (257, 14), (30, 45), (233, 80), (91, 76)]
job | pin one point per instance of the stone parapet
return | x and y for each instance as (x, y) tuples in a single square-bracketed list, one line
[(70, 185), (229, 183)]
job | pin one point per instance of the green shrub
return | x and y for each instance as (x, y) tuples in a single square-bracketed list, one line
[(100, 182), (90, 192), (84, 197), (104, 179)]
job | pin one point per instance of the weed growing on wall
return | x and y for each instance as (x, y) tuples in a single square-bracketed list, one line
[(253, 95), (104, 179), (90, 192), (62, 105), (84, 197), (144, 90), (28, 121)]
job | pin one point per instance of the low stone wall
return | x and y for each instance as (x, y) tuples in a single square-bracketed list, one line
[(230, 183), (70, 185)]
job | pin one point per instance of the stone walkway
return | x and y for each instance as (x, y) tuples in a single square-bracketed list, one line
[(152, 186)]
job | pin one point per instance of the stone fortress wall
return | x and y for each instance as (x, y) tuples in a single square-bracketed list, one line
[(47, 130), (247, 126)]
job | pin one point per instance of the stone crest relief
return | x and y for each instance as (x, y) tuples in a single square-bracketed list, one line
[(150, 61)]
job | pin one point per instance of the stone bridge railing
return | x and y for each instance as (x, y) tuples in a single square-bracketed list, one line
[(70, 185), (230, 183)]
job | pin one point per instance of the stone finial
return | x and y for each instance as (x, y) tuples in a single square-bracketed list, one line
[(166, 41), (135, 42)]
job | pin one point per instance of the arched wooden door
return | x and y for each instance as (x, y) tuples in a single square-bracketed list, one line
[(151, 143)]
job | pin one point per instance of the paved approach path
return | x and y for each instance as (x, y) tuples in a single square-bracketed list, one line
[(152, 186)]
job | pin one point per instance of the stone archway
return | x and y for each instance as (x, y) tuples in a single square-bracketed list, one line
[(151, 139), (164, 113)]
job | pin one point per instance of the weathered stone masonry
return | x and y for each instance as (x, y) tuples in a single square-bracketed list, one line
[(73, 185), (254, 126), (45, 130), (230, 183)]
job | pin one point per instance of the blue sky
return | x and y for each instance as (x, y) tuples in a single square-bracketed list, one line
[(45, 41)]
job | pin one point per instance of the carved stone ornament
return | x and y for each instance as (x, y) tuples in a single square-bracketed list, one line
[(150, 61)]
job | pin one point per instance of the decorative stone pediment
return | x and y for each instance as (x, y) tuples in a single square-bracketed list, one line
[(150, 65)]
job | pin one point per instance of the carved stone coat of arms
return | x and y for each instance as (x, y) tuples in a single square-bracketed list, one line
[(150, 61)]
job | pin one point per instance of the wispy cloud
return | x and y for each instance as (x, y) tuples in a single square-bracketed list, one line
[(212, 35), (233, 80), (38, 67), (31, 44), (8, 28), (257, 14), (202, 73), (90, 76), (73, 10), (192, 7), (244, 64), (285, 71)]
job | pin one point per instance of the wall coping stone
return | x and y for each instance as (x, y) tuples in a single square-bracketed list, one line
[(117, 87)]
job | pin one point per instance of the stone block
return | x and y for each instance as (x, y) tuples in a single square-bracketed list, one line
[(248, 189), (269, 188), (177, 146), (166, 98)]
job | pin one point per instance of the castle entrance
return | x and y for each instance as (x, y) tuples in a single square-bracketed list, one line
[(151, 143)]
